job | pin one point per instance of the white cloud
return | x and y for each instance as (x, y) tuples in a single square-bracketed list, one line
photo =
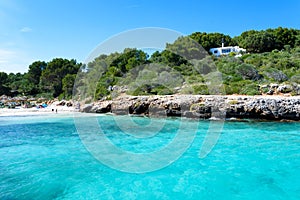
[(13, 61), (6, 55), (26, 29)]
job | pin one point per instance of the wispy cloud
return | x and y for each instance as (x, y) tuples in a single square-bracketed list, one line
[(13, 61), (6, 55), (25, 30)]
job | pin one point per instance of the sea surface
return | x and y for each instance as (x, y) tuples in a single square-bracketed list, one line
[(43, 157)]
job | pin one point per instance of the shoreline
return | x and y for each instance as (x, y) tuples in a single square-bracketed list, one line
[(19, 111), (209, 107), (260, 107)]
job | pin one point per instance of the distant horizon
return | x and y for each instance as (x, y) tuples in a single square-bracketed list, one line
[(43, 30)]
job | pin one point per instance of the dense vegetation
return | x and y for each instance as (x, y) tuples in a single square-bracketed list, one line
[(52, 79), (273, 56)]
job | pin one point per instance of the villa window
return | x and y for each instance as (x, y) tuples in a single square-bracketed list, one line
[(226, 50)]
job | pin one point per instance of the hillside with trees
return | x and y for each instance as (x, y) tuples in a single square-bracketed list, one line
[(49, 80), (272, 60)]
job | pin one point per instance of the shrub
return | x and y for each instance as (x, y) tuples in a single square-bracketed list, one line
[(248, 72), (196, 106), (200, 89), (187, 90), (232, 78), (274, 75), (264, 90), (194, 79), (232, 89), (161, 90), (228, 68), (250, 89), (232, 102), (295, 78), (147, 89)]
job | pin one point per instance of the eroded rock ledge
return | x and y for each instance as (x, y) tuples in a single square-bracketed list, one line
[(202, 106)]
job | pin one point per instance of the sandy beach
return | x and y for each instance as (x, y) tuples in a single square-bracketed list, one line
[(52, 109)]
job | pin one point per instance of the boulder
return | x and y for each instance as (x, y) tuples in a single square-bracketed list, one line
[(87, 108), (284, 88)]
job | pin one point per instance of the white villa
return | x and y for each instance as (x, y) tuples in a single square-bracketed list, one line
[(219, 51)]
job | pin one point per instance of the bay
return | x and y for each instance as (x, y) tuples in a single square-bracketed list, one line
[(43, 157)]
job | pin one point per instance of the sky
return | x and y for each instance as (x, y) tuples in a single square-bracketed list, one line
[(32, 30)]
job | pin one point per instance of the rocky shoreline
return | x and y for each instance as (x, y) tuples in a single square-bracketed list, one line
[(202, 106)]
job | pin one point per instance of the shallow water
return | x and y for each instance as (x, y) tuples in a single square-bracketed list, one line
[(44, 158)]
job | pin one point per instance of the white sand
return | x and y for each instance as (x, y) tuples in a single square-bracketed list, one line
[(19, 111)]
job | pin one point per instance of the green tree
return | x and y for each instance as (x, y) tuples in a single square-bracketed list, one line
[(3, 78), (3, 83), (284, 36), (33, 76), (35, 71), (211, 40), (259, 42), (113, 67), (67, 85), (56, 70), (268, 40), (187, 48), (15, 83), (129, 59)]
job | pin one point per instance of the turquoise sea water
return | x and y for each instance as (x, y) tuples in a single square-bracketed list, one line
[(44, 158)]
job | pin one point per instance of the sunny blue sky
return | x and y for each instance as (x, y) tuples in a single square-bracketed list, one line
[(33, 30)]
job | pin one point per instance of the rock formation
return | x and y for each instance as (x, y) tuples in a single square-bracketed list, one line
[(202, 106)]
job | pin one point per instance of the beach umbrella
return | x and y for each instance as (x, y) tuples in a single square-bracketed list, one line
[(31, 99), (41, 99), (4, 101), (9, 99), (14, 99), (19, 99), (3, 97)]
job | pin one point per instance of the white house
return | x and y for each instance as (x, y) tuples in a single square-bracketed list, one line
[(219, 51)]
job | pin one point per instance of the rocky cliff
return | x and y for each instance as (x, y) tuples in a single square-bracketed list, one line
[(202, 106)]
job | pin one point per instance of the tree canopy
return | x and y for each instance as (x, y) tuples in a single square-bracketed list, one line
[(272, 57), (42, 79), (211, 40)]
